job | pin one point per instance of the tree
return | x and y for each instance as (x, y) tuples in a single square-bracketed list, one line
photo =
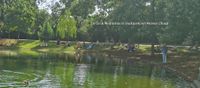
[(183, 18), (66, 26), (18, 16), (46, 32)]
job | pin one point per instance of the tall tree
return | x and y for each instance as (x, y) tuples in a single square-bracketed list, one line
[(45, 31), (183, 18), (66, 26), (19, 16)]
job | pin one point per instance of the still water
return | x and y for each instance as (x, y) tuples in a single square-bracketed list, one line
[(45, 70)]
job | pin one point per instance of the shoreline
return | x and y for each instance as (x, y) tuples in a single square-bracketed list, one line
[(157, 60), (185, 64)]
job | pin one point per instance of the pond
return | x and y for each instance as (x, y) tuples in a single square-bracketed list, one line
[(47, 70)]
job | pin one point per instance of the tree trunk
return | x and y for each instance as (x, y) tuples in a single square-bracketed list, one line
[(46, 42), (18, 36), (9, 35), (58, 41), (138, 45)]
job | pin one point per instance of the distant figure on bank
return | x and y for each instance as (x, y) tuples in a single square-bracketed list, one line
[(164, 53), (90, 46), (131, 48), (78, 45), (68, 43)]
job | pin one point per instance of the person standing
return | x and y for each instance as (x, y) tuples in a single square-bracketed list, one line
[(130, 48), (164, 54)]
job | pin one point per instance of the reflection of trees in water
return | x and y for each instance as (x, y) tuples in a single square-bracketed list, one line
[(94, 69), (163, 73), (166, 75), (80, 75), (117, 72), (109, 64), (152, 74), (49, 80), (197, 82), (199, 75)]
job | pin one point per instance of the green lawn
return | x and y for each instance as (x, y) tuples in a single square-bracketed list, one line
[(33, 46)]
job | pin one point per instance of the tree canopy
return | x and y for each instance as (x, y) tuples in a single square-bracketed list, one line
[(73, 19)]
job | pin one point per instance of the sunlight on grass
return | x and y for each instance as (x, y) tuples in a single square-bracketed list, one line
[(69, 50), (182, 50), (57, 49), (29, 44), (28, 52), (144, 48), (8, 53)]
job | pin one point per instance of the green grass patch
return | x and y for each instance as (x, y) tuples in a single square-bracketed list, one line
[(32, 47), (29, 44), (144, 48), (28, 52)]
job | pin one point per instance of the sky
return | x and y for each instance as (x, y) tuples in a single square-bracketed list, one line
[(47, 4)]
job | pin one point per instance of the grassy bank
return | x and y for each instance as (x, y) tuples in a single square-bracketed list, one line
[(31, 46), (183, 61)]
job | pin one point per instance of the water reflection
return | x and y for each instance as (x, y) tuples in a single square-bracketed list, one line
[(86, 71), (199, 75), (8, 53), (196, 83), (80, 74)]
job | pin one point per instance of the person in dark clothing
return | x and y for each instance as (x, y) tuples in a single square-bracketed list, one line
[(131, 48)]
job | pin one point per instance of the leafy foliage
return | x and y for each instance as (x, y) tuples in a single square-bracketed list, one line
[(66, 26), (74, 19), (46, 31)]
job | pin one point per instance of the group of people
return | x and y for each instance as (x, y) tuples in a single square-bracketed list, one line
[(131, 48)]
